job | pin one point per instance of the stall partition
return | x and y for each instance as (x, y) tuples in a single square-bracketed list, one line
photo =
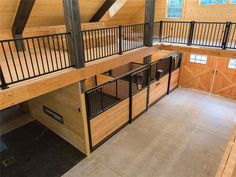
[(116, 103)]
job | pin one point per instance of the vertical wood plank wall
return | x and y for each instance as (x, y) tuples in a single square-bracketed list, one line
[(192, 11), (107, 122), (68, 103)]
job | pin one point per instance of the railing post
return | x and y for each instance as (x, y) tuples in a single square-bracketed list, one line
[(130, 99), (160, 31), (3, 82), (190, 34), (73, 25), (120, 40), (226, 35)]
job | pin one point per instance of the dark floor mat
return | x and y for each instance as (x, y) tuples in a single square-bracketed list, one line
[(35, 151)]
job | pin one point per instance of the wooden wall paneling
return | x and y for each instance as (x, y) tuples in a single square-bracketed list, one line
[(68, 103), (192, 11), (174, 82), (197, 76), (225, 79), (139, 103), (107, 122), (158, 89)]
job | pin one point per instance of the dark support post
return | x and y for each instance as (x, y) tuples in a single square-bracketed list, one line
[(149, 22), (190, 34), (226, 35), (160, 30), (3, 82), (102, 10), (120, 40), (130, 99), (73, 25), (23, 12), (170, 72), (147, 60)]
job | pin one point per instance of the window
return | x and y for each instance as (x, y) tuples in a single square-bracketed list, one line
[(174, 9), (195, 58), (232, 63), (209, 2), (233, 1)]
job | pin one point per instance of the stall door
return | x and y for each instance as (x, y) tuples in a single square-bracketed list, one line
[(197, 73), (225, 78)]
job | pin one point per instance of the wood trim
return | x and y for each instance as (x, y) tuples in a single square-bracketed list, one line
[(199, 50)]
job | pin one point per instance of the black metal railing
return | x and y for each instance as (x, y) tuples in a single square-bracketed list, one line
[(104, 42), (49, 53), (100, 43), (107, 95), (210, 34), (38, 56)]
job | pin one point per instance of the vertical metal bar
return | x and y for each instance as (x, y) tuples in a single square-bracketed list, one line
[(8, 66), (63, 49), (130, 99), (120, 40), (36, 57), (226, 35), (30, 56), (170, 72), (13, 61), (59, 51), (46, 54), (191, 32), (3, 82), (54, 48), (50, 51), (40, 52)]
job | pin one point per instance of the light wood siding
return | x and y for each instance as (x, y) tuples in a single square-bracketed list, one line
[(45, 12), (174, 82), (139, 103), (192, 11), (107, 122), (158, 89), (66, 102)]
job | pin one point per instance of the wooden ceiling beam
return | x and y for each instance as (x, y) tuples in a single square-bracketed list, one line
[(23, 12), (22, 15), (102, 10)]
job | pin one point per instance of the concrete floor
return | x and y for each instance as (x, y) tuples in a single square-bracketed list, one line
[(183, 135)]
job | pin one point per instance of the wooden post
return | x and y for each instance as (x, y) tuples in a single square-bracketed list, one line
[(149, 22), (73, 25)]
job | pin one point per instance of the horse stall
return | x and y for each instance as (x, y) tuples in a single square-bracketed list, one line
[(119, 96), (45, 135)]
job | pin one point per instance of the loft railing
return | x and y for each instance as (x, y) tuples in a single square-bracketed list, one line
[(49, 53), (104, 42), (210, 34), (39, 55)]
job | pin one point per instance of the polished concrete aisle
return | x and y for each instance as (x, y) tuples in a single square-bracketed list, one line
[(183, 135)]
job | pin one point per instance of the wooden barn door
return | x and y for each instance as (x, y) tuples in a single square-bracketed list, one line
[(225, 79), (197, 76)]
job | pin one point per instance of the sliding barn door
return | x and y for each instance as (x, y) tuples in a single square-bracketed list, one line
[(197, 76), (225, 79)]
